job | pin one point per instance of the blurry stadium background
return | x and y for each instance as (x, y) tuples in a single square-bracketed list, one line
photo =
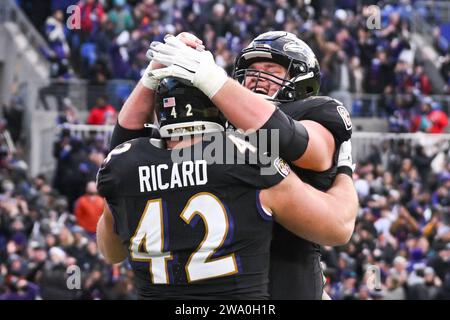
[(61, 89)]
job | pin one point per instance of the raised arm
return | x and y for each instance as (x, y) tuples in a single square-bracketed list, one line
[(139, 109)]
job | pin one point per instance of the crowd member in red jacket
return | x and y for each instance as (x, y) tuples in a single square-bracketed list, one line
[(92, 14), (421, 80), (89, 208), (100, 113), (438, 119), (431, 118)]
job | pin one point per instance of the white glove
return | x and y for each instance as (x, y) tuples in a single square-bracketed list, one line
[(148, 80), (345, 156), (194, 65)]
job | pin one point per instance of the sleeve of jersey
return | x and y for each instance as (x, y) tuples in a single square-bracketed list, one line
[(107, 180), (255, 168), (115, 205), (334, 117), (259, 176), (121, 135)]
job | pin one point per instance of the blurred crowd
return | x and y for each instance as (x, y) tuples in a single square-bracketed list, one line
[(401, 242), (48, 225), (110, 40)]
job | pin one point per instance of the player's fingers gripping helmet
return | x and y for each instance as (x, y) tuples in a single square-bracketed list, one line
[(185, 110), (302, 79)]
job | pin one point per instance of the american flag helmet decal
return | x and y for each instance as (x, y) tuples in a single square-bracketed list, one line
[(169, 102)]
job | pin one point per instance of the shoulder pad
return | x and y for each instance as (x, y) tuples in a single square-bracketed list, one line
[(301, 106), (108, 177), (327, 111), (120, 149)]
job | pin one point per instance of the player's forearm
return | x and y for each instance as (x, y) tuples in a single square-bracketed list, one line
[(109, 244), (323, 218), (305, 213), (343, 196), (243, 108), (138, 108)]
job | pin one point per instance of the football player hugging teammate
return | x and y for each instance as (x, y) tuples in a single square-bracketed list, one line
[(200, 227)]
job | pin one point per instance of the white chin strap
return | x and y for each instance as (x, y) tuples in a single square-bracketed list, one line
[(189, 128)]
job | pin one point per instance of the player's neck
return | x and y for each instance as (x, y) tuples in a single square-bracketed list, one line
[(183, 142)]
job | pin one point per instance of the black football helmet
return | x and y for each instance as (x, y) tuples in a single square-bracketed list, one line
[(302, 79), (185, 110)]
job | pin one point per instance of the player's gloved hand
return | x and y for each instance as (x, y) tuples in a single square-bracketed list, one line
[(345, 162), (194, 65), (148, 80)]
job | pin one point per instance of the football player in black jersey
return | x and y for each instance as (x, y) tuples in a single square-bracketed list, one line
[(283, 76), (198, 229)]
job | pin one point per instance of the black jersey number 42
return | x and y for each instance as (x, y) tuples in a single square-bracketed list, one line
[(147, 243)]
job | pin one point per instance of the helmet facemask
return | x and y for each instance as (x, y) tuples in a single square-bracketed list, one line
[(302, 78), (243, 75), (291, 88)]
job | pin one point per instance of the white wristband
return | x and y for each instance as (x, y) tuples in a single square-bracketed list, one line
[(211, 80), (148, 80)]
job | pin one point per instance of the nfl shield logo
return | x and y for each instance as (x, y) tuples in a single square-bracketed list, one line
[(345, 117), (282, 167)]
